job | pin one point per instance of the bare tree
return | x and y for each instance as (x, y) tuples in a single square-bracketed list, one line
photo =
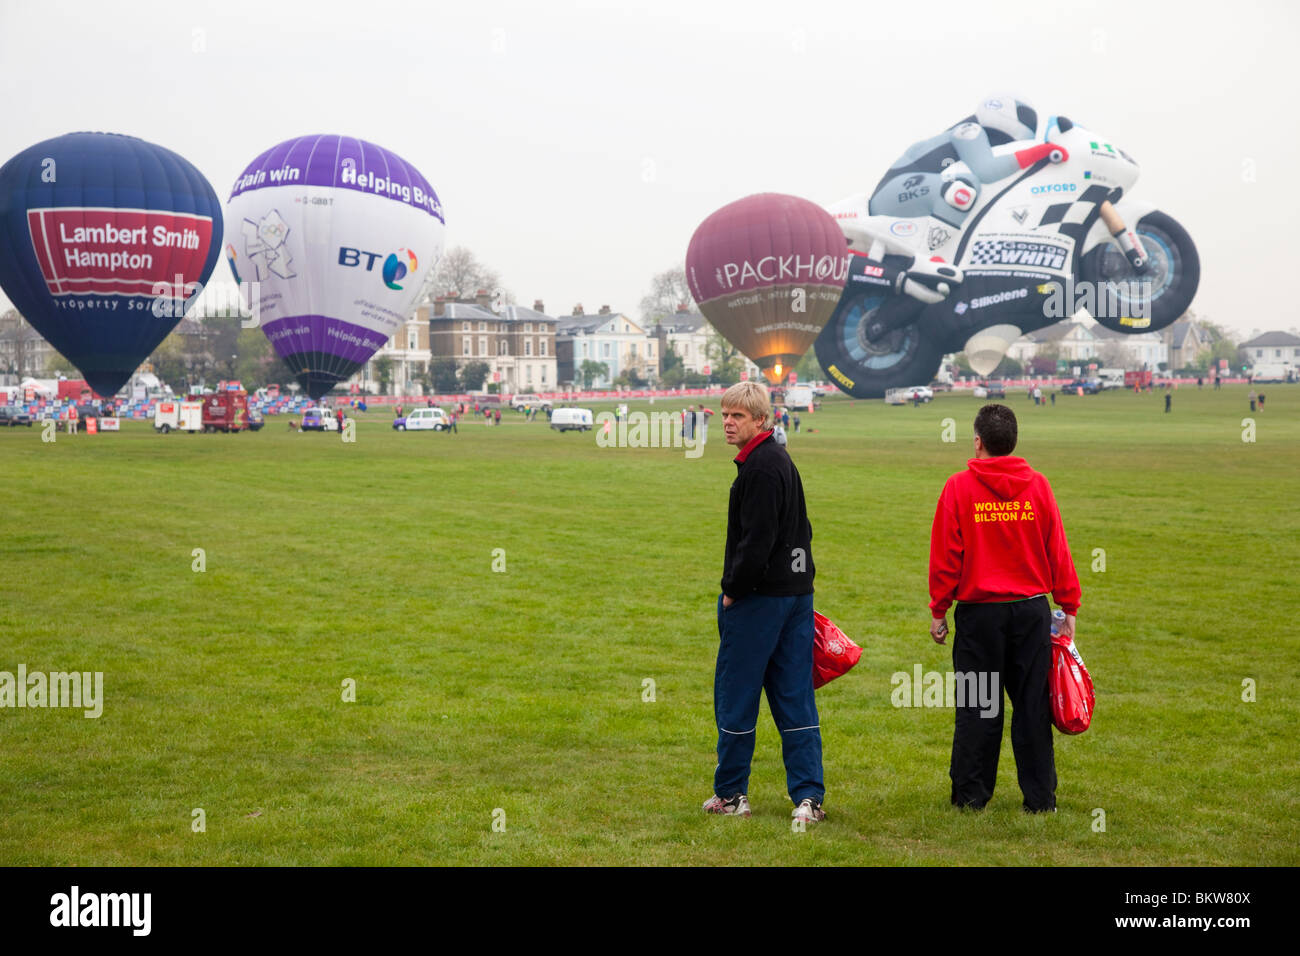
[(668, 291), (1115, 354), (460, 273)]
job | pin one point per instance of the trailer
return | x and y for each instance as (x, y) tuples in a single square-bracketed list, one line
[(172, 415)]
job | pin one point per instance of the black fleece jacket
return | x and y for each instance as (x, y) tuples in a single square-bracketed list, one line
[(769, 539)]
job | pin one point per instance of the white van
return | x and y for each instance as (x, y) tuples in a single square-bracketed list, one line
[(571, 419)]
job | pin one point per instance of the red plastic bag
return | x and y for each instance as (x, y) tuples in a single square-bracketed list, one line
[(1073, 700), (834, 653)]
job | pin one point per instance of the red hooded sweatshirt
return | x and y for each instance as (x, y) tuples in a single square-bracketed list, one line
[(997, 536)]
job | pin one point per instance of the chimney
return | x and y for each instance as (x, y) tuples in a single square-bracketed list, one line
[(683, 307), (577, 309), (453, 295), (440, 305), (483, 299), (604, 310), (538, 307)]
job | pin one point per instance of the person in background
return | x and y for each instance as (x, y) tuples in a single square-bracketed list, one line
[(1169, 401), (997, 548)]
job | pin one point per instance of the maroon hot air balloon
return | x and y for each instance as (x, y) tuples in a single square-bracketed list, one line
[(767, 271)]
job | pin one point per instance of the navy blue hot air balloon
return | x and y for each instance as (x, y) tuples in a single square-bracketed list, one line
[(104, 241)]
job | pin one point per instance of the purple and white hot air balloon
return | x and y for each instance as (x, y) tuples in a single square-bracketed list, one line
[(331, 240)]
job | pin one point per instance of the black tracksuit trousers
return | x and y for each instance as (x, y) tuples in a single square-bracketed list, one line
[(1013, 641)]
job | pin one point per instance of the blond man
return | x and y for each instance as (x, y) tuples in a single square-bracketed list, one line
[(765, 615)]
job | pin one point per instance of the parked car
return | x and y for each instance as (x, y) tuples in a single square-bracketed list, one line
[(571, 419), (423, 419), (255, 421), (520, 402), (995, 389), (1090, 386), (318, 420), (13, 417)]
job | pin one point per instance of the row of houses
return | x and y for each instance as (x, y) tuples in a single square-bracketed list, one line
[(1177, 346), (526, 349)]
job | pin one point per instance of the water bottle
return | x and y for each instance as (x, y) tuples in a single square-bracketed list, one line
[(1058, 621)]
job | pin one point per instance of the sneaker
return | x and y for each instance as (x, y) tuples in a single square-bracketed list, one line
[(736, 806), (809, 811)]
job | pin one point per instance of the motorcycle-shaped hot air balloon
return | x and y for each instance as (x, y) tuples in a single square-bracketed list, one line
[(105, 241), (331, 240), (767, 271), (1062, 234)]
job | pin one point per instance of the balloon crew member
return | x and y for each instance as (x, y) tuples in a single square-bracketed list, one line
[(997, 547), (765, 616)]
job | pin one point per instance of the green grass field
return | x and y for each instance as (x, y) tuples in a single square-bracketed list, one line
[(518, 697)]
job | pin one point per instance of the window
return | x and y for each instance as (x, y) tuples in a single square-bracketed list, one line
[(482, 326), (465, 328), (605, 353), (412, 339), (1277, 353), (482, 345), (584, 349), (503, 347), (541, 346), (466, 342), (528, 326), (543, 374), (528, 374), (649, 350), (528, 347), (1259, 353)]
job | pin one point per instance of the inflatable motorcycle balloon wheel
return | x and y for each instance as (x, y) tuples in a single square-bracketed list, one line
[(866, 369), (1174, 276)]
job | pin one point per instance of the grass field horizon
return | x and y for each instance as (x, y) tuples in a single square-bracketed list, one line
[(519, 697)]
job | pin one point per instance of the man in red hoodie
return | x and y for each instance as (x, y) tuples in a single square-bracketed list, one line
[(998, 548)]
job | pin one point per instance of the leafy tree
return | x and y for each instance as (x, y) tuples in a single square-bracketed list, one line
[(1042, 365), (808, 368), (472, 375), (442, 375), (383, 369), (669, 360), (257, 364), (590, 370), (1008, 368), (725, 360)]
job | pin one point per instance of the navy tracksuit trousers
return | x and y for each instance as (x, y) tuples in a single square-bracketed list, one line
[(767, 644)]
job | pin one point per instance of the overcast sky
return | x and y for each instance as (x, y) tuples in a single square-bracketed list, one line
[(576, 145)]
